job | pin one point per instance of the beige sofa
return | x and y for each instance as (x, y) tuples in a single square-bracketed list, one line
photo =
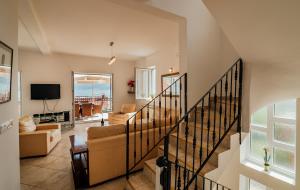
[(40, 140), (127, 110), (107, 145), (107, 150)]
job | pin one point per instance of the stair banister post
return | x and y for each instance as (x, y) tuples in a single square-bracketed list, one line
[(127, 149), (239, 124), (185, 93), (163, 169)]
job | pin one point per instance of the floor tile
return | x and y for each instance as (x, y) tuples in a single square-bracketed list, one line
[(53, 172)]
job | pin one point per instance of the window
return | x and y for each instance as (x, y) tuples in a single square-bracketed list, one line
[(274, 127), (145, 82), (250, 184), (259, 118), (93, 89), (258, 140)]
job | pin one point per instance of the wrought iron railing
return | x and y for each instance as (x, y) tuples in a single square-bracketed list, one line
[(103, 100), (203, 128), (199, 183), (146, 129)]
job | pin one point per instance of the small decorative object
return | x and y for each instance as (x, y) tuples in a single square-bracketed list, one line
[(6, 61), (131, 84), (267, 158), (102, 102), (102, 120)]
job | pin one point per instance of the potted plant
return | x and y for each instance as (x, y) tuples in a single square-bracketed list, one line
[(131, 85), (267, 158)]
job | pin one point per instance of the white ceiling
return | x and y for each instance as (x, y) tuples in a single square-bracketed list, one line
[(261, 31), (25, 39), (87, 27)]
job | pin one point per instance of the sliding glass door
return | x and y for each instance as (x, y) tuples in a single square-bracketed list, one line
[(92, 94)]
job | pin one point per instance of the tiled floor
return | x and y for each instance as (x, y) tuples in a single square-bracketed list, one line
[(53, 172)]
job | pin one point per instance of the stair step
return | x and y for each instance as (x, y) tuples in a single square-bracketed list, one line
[(206, 133), (182, 140), (139, 181), (150, 166), (223, 99), (213, 115), (213, 159), (149, 169), (181, 157), (205, 127)]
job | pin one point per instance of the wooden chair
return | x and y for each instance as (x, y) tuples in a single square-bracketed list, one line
[(77, 111), (97, 108), (87, 109)]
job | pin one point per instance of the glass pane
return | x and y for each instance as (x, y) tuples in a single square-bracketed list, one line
[(286, 109), (254, 185), (93, 92), (142, 84), (285, 133), (260, 117), (258, 142), (152, 86), (284, 159)]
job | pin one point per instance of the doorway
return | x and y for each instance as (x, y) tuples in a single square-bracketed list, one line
[(92, 96)]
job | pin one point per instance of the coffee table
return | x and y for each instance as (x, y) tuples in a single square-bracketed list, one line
[(80, 161)]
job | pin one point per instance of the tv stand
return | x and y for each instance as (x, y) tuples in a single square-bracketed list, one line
[(55, 117)]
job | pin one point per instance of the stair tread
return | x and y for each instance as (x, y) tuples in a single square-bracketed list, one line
[(172, 152), (212, 112), (139, 181), (223, 99), (151, 164), (217, 128), (181, 137)]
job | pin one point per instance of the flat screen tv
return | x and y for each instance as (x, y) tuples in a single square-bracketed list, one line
[(45, 91)]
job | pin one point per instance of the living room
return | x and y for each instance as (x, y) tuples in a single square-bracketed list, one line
[(50, 59), (149, 94)]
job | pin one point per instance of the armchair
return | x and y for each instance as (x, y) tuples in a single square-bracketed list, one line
[(38, 140)]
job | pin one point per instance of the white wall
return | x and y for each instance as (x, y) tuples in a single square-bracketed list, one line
[(204, 42), (162, 61), (266, 35), (9, 141), (273, 82), (57, 68)]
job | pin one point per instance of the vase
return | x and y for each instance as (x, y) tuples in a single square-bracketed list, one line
[(266, 167)]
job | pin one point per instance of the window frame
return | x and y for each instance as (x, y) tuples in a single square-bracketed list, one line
[(272, 142), (151, 83), (111, 76)]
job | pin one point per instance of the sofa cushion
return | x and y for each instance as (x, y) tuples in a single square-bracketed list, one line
[(128, 108), (101, 132), (26, 124)]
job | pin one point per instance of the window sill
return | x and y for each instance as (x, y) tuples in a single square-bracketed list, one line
[(277, 175)]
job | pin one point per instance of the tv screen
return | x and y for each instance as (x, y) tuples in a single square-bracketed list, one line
[(45, 91)]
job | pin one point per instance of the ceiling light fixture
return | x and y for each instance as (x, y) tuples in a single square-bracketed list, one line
[(113, 58)]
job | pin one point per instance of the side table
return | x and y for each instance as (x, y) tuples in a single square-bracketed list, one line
[(80, 161)]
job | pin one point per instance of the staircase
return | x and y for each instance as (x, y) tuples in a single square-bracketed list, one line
[(193, 142)]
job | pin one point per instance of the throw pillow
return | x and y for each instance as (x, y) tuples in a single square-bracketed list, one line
[(26, 124)]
